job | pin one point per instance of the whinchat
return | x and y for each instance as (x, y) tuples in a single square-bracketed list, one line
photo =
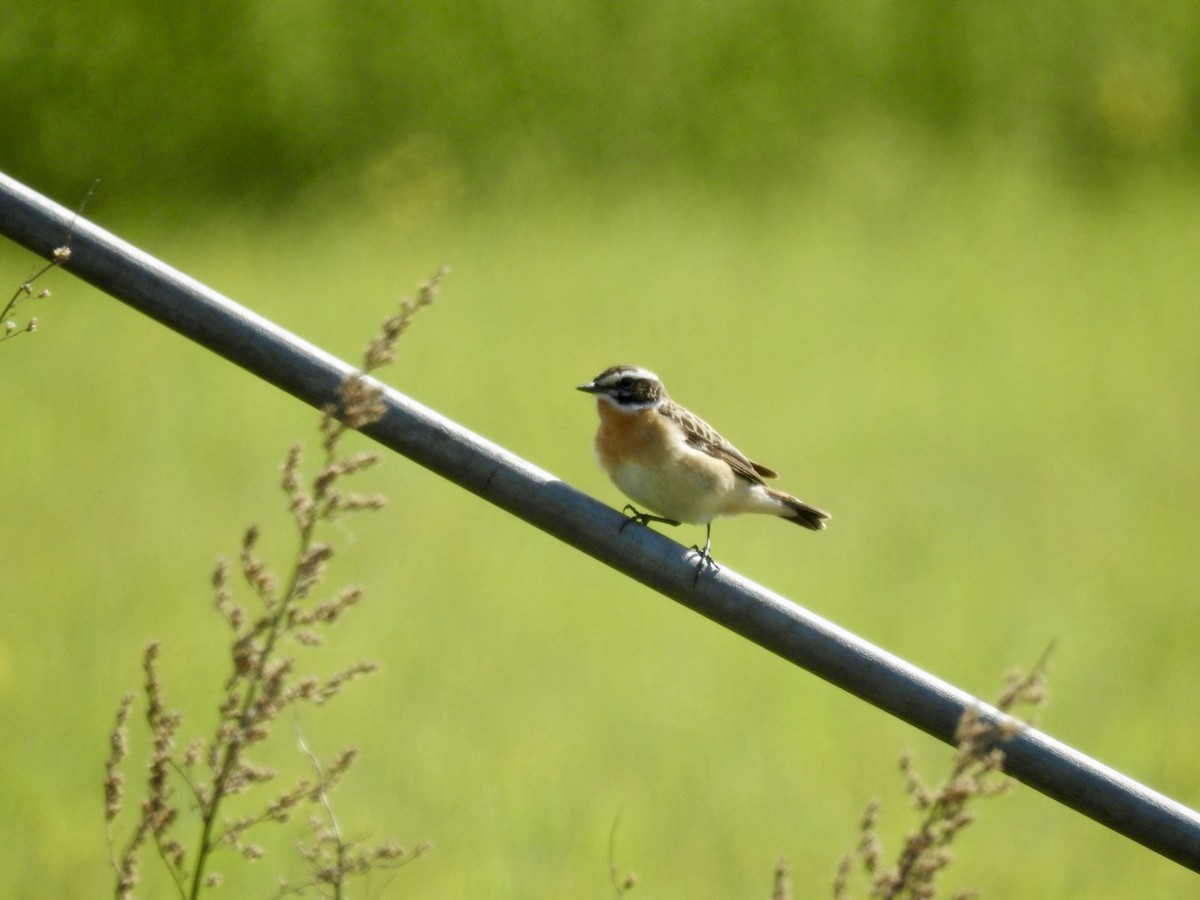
[(676, 464)]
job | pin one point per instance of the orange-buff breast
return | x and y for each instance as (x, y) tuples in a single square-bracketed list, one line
[(623, 435)]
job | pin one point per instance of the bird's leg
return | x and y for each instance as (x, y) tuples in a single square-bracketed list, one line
[(636, 515), (706, 560)]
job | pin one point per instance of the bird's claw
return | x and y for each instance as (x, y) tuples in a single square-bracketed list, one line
[(642, 518), (704, 562)]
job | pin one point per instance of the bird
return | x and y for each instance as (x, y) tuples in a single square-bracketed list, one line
[(675, 464)]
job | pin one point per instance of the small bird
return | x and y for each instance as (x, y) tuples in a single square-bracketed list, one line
[(676, 464)]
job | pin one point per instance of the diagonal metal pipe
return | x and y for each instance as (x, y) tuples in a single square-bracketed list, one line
[(500, 477)]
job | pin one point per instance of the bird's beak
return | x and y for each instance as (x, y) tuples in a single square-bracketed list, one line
[(589, 388)]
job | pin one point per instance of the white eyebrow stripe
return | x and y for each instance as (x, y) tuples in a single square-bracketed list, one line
[(615, 375)]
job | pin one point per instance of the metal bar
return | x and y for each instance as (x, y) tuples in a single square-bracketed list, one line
[(771, 621)]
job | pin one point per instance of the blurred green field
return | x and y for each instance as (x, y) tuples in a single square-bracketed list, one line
[(991, 382)]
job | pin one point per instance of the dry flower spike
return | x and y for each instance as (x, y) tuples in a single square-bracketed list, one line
[(977, 771), (263, 680)]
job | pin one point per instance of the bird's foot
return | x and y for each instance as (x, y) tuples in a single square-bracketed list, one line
[(705, 561), (636, 515)]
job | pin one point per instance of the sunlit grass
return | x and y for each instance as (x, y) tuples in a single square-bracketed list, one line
[(990, 384)]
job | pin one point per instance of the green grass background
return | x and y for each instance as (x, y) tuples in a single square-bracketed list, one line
[(935, 263), (990, 383)]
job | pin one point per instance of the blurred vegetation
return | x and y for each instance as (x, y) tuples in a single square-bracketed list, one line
[(991, 386), (230, 99)]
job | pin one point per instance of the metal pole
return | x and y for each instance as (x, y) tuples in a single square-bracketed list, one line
[(741, 605)]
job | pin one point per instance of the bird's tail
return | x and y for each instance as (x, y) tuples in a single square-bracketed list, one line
[(803, 514)]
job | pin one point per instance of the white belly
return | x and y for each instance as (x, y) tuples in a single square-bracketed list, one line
[(678, 492)]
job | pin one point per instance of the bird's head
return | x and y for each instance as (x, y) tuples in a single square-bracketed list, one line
[(628, 388)]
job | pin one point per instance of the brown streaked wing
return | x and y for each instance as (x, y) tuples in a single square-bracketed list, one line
[(703, 436)]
